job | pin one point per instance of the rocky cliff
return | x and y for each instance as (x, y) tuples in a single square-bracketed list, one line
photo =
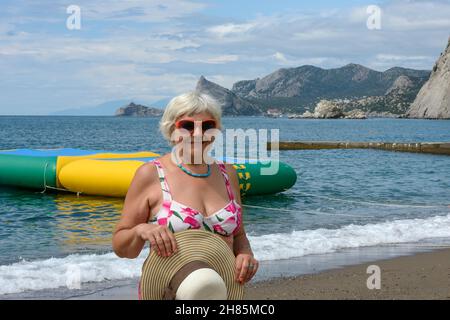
[(138, 110), (433, 99), (231, 103), (298, 89)]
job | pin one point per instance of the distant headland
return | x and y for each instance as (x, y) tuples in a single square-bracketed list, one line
[(138, 110)]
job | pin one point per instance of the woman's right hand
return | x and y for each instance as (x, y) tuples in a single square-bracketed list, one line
[(160, 237)]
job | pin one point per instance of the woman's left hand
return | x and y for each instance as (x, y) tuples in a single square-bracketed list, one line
[(246, 267)]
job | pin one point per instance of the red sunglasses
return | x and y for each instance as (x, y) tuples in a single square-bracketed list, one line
[(190, 124)]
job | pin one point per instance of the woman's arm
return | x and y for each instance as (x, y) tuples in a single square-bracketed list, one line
[(241, 244), (127, 242), (240, 241), (246, 264)]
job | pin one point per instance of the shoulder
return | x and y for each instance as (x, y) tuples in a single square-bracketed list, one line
[(146, 171), (234, 180), (230, 168), (146, 174), (144, 184), (232, 173)]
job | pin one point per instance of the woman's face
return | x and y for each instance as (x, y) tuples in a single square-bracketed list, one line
[(193, 128)]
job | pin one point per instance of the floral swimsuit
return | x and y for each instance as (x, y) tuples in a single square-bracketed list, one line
[(178, 217)]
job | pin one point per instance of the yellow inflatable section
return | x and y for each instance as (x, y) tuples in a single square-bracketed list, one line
[(85, 174)]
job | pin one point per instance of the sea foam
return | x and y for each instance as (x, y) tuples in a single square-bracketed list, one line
[(59, 272)]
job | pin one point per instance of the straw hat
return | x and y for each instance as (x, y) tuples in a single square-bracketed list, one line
[(202, 269)]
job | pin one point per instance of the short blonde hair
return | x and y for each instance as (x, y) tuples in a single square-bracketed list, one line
[(188, 104)]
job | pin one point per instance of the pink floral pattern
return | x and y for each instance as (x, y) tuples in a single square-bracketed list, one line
[(189, 211), (162, 221), (179, 217), (231, 207), (218, 228), (192, 222), (166, 205)]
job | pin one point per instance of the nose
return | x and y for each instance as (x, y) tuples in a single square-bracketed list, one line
[(198, 132)]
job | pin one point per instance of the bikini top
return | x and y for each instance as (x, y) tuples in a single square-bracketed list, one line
[(178, 217)]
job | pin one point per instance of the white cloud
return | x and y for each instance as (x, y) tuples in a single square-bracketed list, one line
[(127, 80), (223, 59), (393, 57), (177, 41), (317, 61), (316, 34), (403, 15), (384, 61), (230, 28), (77, 49), (280, 57)]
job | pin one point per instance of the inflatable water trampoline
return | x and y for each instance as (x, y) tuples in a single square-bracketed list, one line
[(109, 173)]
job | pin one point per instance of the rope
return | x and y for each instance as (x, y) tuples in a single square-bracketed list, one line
[(45, 181), (375, 203), (50, 187)]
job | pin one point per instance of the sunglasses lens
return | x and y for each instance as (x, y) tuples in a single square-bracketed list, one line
[(206, 125), (187, 125), (190, 125)]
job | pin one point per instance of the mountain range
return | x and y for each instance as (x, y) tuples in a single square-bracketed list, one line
[(300, 89), (296, 90)]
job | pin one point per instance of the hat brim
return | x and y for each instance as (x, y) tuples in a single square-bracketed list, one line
[(193, 244)]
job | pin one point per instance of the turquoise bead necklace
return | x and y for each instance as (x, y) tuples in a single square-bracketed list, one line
[(193, 174)]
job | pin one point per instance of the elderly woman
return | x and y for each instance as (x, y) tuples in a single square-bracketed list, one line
[(169, 195)]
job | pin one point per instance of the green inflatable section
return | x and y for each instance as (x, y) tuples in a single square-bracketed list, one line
[(255, 181), (27, 171)]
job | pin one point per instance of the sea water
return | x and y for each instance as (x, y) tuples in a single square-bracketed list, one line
[(343, 199)]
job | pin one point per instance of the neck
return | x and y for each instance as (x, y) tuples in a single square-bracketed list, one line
[(194, 169), (190, 161)]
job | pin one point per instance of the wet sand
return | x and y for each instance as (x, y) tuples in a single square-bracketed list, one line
[(419, 276)]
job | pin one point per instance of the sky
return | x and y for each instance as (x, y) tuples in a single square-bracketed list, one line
[(153, 49)]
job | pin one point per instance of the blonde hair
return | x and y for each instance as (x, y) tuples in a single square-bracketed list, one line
[(188, 104)]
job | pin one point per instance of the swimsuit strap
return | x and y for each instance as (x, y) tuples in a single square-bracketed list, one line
[(167, 196), (162, 180), (223, 170)]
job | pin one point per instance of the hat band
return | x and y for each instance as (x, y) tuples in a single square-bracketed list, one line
[(171, 290)]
